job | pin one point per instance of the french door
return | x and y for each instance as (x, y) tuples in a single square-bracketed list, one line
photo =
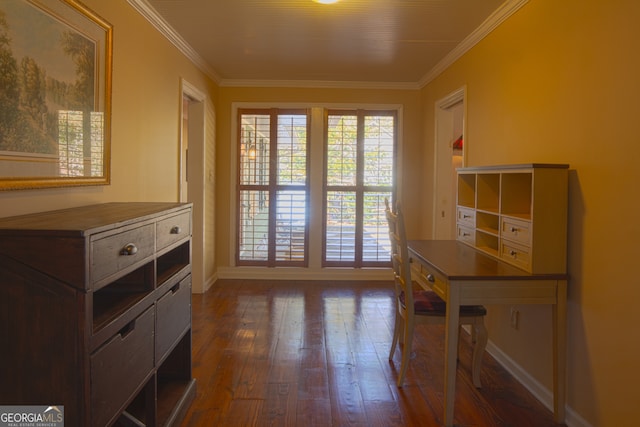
[(359, 174), (273, 188)]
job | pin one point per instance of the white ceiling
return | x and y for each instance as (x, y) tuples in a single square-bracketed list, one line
[(384, 42)]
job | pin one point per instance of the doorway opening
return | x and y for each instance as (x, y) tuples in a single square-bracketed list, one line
[(184, 152), (192, 177), (450, 149)]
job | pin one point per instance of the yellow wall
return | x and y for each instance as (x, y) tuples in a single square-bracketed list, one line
[(559, 82)]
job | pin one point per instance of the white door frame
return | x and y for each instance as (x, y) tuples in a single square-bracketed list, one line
[(444, 199), (195, 165)]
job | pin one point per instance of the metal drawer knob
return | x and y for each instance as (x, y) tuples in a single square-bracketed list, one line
[(175, 229), (430, 278), (129, 249)]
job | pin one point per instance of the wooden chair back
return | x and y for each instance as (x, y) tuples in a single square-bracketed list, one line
[(431, 309), (400, 256)]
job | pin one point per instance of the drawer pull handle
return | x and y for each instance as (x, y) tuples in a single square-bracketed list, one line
[(129, 249), (513, 253), (430, 278), (466, 234), (175, 230), (466, 216), (127, 329), (513, 229)]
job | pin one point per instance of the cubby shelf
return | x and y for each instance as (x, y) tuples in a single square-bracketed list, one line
[(517, 213)]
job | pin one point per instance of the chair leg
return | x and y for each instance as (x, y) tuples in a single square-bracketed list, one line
[(481, 337), (459, 342), (397, 329), (406, 351), (473, 335)]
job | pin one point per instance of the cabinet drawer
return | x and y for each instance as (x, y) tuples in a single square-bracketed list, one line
[(516, 254), (466, 216), (516, 230), (466, 234), (173, 313), (432, 280), (116, 252), (120, 366), (172, 229)]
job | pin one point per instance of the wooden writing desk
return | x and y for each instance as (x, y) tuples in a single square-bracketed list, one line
[(462, 275)]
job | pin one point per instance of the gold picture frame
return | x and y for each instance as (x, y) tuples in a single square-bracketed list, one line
[(55, 112)]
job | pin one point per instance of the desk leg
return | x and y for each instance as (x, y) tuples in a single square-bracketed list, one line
[(451, 352), (560, 352)]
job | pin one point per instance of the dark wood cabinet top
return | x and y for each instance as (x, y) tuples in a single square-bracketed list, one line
[(85, 220)]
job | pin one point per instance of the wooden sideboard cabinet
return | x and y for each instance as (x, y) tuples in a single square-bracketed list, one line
[(95, 313), (517, 213)]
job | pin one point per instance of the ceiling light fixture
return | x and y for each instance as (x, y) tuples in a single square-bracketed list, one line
[(326, 1)]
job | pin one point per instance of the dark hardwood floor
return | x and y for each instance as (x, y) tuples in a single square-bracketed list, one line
[(289, 353)]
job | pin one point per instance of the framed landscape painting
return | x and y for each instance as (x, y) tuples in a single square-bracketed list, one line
[(55, 95)]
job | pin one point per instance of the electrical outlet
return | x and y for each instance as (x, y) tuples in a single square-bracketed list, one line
[(515, 317)]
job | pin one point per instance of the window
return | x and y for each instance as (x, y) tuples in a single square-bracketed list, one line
[(273, 187), (359, 175)]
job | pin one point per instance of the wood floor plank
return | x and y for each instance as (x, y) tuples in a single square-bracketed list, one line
[(244, 412), (280, 407), (374, 384), (345, 395), (313, 382), (415, 410), (314, 412), (383, 414), (298, 353)]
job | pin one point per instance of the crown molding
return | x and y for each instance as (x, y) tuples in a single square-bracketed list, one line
[(501, 14), (321, 84), (151, 15), (296, 273)]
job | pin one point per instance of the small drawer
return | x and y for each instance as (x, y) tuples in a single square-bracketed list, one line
[(516, 230), (120, 366), (466, 216), (173, 313), (173, 229), (466, 234), (517, 255), (116, 252), (433, 281)]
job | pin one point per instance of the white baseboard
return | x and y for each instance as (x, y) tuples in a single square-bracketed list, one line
[(543, 394), (293, 273), (209, 282)]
